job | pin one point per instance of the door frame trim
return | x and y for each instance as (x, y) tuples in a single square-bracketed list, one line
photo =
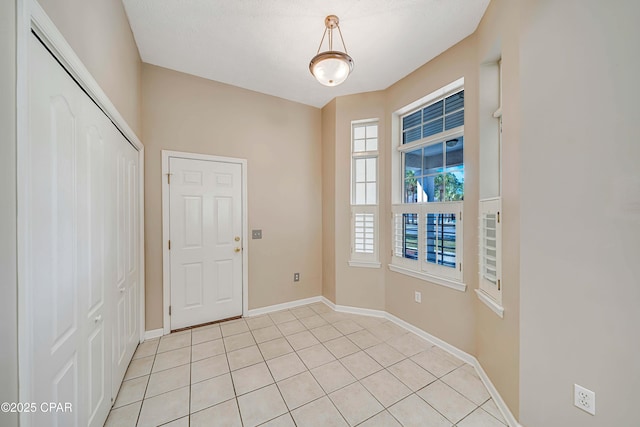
[(166, 267)]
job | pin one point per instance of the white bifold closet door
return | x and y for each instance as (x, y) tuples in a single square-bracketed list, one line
[(82, 261)]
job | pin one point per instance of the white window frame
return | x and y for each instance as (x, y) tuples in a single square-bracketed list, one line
[(420, 268), (490, 292), (361, 259), (490, 288)]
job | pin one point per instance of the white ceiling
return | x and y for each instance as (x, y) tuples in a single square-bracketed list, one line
[(266, 45)]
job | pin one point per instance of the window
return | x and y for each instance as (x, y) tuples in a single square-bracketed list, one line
[(427, 224), (364, 194), (490, 175), (491, 249)]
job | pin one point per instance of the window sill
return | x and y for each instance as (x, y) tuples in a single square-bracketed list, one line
[(458, 286), (364, 264), (490, 302)]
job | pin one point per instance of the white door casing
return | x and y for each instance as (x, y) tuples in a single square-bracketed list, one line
[(205, 212)]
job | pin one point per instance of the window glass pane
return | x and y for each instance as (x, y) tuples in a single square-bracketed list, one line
[(411, 135), (454, 185), (371, 193), (432, 128), (411, 120), (359, 132), (455, 151), (433, 188), (410, 236), (371, 169), (412, 169), (360, 198), (413, 163), (410, 190), (433, 159), (440, 239), (432, 111), (454, 120), (360, 170), (421, 194), (372, 144), (454, 102), (372, 131), (358, 145), (439, 191)]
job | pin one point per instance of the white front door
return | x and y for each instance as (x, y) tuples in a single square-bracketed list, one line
[(205, 211)]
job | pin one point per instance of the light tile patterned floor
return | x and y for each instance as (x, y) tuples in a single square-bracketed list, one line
[(308, 366)]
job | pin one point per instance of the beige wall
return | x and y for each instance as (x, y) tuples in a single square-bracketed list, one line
[(281, 141), (498, 340), (456, 317), (8, 202), (355, 286), (580, 211), (445, 313), (329, 201), (99, 33)]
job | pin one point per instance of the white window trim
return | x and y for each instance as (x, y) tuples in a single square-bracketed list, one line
[(494, 302), (364, 264), (458, 286), (420, 268), (494, 292), (405, 266), (356, 259), (490, 302)]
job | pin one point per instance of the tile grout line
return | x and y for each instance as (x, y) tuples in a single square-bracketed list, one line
[(328, 323), (148, 380), (235, 394)]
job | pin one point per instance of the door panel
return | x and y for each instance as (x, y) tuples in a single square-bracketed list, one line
[(125, 288), (81, 248), (205, 211)]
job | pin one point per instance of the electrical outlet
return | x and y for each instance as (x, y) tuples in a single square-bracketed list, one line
[(584, 399), (418, 297), (296, 277)]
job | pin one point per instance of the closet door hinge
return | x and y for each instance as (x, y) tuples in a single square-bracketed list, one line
[(498, 217), (169, 244), (169, 178), (169, 310)]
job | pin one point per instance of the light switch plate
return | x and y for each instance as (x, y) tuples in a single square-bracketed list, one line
[(256, 234)]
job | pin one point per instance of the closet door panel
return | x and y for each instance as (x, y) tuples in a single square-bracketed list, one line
[(52, 269), (81, 248), (126, 287)]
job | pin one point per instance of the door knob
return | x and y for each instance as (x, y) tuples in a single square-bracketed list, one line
[(237, 249), (237, 239)]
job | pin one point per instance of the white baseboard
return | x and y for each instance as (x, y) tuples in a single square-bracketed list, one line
[(464, 356), (497, 399), (354, 310), (154, 333), (283, 306)]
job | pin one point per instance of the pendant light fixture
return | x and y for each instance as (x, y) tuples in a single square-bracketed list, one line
[(331, 67)]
